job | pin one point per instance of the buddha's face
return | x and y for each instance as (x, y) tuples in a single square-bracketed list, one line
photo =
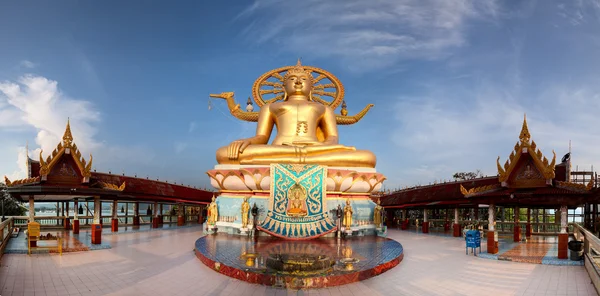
[(298, 84)]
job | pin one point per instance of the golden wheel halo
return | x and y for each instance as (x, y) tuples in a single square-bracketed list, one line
[(268, 88)]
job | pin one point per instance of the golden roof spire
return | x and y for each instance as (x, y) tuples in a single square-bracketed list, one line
[(525, 136), (68, 137)]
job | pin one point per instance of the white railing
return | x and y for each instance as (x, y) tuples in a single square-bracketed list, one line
[(58, 221), (6, 229), (591, 253)]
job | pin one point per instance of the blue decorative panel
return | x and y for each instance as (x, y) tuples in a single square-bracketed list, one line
[(297, 207)]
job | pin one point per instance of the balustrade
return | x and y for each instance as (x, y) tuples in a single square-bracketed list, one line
[(591, 252)]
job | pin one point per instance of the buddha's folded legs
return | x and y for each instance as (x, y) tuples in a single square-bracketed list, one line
[(359, 158), (280, 153)]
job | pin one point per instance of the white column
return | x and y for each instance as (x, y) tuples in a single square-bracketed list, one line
[(455, 215), (114, 209), (563, 219), (31, 210), (155, 209), (136, 209), (76, 209), (491, 217), (425, 215), (97, 210)]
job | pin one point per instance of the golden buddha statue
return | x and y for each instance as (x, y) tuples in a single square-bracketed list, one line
[(347, 222), (297, 201), (306, 129), (377, 214), (213, 212), (245, 211)]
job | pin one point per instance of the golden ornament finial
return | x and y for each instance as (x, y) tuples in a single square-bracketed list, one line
[(525, 136), (68, 137), (344, 110)]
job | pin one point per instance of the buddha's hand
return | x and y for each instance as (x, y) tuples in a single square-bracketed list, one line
[(236, 147)]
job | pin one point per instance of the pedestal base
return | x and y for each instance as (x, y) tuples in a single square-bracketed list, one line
[(32, 242), (492, 244), (114, 225), (96, 234), (516, 233), (155, 222), (405, 225), (76, 226), (136, 220), (180, 221), (563, 244), (425, 227), (210, 229), (456, 230), (67, 223)]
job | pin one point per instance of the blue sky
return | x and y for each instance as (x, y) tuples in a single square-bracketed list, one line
[(450, 80)]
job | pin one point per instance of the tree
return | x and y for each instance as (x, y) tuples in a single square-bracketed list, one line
[(463, 176), (11, 206)]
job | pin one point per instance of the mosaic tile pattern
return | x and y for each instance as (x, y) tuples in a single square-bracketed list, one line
[(225, 254)]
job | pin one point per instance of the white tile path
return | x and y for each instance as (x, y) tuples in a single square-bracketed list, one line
[(163, 263)]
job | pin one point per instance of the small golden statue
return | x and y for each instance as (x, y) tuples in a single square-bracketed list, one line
[(377, 214), (347, 215), (306, 124), (213, 212), (245, 211), (296, 201)]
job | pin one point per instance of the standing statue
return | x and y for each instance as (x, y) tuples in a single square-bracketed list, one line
[(306, 124), (245, 211), (377, 214), (213, 212), (347, 215)]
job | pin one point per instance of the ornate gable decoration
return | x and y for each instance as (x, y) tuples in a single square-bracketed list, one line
[(479, 190), (110, 186), (536, 167), (66, 147)]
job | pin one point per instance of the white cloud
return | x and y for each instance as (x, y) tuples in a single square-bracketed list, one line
[(179, 147), (35, 102), (373, 34), (28, 64), (446, 137), (192, 127)]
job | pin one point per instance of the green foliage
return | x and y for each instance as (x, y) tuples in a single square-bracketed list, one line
[(11, 206)]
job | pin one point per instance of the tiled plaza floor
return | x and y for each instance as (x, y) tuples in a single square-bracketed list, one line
[(163, 263), (83, 240), (537, 249)]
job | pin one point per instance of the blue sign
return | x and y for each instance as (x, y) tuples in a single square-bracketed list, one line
[(473, 239)]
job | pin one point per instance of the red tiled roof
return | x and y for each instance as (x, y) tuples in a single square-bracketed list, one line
[(434, 193), (151, 188)]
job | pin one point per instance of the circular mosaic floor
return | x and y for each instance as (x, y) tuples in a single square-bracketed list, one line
[(317, 263)]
